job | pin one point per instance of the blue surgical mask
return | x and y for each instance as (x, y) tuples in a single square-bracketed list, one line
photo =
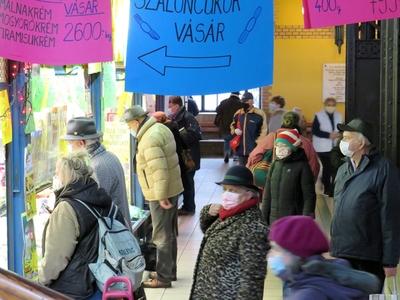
[(276, 264)]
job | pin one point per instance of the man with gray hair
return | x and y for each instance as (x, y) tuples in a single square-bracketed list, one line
[(107, 169), (366, 222), (159, 175)]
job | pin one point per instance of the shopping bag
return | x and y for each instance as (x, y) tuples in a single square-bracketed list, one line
[(235, 141), (390, 291), (188, 160)]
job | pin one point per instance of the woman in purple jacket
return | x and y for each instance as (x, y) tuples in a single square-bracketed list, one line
[(297, 244)]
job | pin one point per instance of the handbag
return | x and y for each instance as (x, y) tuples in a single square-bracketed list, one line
[(389, 291), (235, 141), (188, 160), (260, 169), (149, 251)]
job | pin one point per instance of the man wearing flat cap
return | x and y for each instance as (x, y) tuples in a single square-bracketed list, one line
[(157, 168), (366, 222), (107, 169)]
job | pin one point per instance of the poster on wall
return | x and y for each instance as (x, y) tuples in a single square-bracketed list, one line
[(323, 13), (5, 118), (56, 32), (199, 47), (334, 82)]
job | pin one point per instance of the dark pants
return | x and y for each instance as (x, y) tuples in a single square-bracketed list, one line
[(164, 236), (327, 176), (227, 148), (243, 160), (188, 192), (372, 267)]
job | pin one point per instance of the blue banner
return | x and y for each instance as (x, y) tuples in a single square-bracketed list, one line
[(195, 47)]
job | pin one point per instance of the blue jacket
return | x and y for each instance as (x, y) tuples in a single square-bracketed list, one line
[(366, 222), (330, 279), (253, 125)]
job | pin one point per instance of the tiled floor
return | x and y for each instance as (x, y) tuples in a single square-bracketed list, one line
[(190, 236)]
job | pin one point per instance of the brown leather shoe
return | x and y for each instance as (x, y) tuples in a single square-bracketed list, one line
[(154, 275), (156, 284)]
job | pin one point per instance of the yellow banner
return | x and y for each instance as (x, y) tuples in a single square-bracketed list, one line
[(5, 118)]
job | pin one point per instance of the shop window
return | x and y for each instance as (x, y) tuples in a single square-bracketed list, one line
[(56, 95), (116, 136)]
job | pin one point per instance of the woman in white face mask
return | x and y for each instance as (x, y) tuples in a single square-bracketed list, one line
[(289, 189), (231, 259), (68, 238)]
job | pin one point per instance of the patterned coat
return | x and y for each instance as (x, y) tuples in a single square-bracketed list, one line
[(232, 259)]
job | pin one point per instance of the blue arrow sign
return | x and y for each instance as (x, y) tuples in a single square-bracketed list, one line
[(192, 47)]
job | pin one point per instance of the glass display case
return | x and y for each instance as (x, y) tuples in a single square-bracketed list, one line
[(56, 94)]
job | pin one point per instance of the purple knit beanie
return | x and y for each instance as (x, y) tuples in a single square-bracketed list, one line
[(299, 235)]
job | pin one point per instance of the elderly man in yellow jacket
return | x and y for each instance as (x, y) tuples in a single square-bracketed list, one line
[(158, 171)]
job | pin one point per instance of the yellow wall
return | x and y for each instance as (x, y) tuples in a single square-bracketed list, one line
[(298, 62)]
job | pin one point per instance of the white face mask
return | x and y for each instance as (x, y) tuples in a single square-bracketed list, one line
[(170, 112), (273, 106), (57, 184), (282, 152), (330, 109), (230, 200), (344, 148)]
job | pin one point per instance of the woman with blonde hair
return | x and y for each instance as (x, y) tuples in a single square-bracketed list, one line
[(70, 238)]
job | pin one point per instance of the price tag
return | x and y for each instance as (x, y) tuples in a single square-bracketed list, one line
[(56, 32), (322, 13)]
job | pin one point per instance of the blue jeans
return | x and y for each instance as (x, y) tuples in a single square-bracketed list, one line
[(227, 148)]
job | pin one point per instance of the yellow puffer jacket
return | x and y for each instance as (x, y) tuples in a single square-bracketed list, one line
[(157, 163)]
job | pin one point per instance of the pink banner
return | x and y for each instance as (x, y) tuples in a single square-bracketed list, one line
[(322, 13), (56, 32)]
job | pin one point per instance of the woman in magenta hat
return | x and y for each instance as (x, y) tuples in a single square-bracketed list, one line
[(297, 245)]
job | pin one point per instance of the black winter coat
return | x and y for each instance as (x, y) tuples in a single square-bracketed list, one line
[(231, 263), (76, 280), (366, 220), (180, 145), (289, 189), (225, 111), (190, 132)]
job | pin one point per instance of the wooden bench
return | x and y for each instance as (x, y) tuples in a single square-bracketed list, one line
[(14, 287)]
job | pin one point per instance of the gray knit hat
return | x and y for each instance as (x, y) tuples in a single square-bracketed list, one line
[(134, 113)]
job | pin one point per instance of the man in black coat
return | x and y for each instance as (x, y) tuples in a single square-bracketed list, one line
[(225, 111), (192, 106), (190, 132), (366, 223)]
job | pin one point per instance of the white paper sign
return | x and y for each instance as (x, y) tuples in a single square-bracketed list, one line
[(334, 81)]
